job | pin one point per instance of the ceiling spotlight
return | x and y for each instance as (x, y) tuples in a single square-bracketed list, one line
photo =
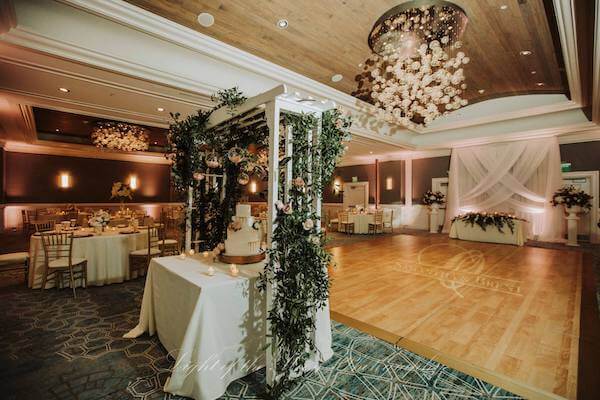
[(370, 152), (540, 84), (525, 52), (337, 77), (533, 72), (503, 7), (64, 90), (481, 91), (282, 23), (206, 19), (160, 109), (57, 130)]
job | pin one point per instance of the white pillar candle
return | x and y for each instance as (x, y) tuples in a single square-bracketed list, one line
[(234, 270)]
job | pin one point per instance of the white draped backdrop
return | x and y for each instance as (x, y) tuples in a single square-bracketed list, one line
[(515, 177)]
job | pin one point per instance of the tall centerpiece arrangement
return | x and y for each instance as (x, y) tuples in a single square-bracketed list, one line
[(122, 192), (433, 200), (575, 201)]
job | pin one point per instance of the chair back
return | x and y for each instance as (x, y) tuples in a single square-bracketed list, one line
[(378, 217), (343, 217), (388, 215), (155, 237), (57, 245), (25, 217), (44, 226)]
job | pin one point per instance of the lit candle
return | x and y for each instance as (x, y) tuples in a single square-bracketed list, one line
[(182, 255), (192, 252), (210, 271), (234, 270)]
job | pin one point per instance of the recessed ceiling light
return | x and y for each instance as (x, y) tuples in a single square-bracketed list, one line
[(370, 152), (282, 23), (481, 91), (503, 7), (160, 109), (533, 72), (57, 130), (525, 52), (64, 90), (206, 19), (337, 77), (540, 84)]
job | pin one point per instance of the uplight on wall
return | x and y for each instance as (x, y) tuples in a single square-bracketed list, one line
[(64, 180), (389, 183), (133, 182), (252, 187)]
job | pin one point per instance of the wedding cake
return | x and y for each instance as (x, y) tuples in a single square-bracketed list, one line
[(243, 237)]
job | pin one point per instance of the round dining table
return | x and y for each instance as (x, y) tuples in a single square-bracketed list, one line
[(107, 254), (361, 222)]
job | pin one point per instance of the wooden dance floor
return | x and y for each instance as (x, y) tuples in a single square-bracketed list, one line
[(503, 313)]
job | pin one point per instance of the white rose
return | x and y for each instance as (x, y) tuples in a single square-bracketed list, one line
[(308, 224)]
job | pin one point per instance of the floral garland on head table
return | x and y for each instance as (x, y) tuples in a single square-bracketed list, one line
[(485, 219), (297, 263)]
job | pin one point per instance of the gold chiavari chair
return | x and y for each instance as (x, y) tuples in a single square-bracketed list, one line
[(139, 260), (59, 260), (344, 222), (388, 220), (44, 226), (377, 225), (170, 241), (332, 223)]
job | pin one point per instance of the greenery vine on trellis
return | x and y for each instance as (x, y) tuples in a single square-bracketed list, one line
[(298, 261)]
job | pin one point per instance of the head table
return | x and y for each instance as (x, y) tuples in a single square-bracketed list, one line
[(107, 254), (213, 325)]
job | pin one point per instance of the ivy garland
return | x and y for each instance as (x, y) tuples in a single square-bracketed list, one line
[(484, 219), (298, 261)]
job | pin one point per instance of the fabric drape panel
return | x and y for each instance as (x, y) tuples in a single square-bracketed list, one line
[(515, 177)]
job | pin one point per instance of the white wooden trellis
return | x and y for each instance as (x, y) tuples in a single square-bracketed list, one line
[(270, 105)]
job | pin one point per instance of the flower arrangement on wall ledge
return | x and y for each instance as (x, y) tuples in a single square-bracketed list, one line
[(120, 136), (121, 191), (570, 196), (431, 198), (485, 219), (99, 220)]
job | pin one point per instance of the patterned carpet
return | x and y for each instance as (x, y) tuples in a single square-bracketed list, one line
[(55, 347)]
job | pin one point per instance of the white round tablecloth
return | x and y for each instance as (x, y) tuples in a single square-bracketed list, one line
[(107, 256), (361, 222)]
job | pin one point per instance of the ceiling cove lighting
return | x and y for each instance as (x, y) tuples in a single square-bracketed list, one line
[(415, 72), (206, 19), (282, 23)]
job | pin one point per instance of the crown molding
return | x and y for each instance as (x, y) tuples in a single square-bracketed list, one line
[(28, 119), (590, 134), (83, 108), (82, 151), (565, 19)]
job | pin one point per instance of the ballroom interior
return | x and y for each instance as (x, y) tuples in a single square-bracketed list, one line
[(346, 199)]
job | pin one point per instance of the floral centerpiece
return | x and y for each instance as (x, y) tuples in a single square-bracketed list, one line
[(431, 198), (485, 219), (99, 220), (570, 196), (122, 192)]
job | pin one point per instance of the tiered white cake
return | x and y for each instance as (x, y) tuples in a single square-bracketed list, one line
[(244, 241)]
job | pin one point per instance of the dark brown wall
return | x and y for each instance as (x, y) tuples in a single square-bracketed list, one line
[(394, 169), (364, 173), (423, 170), (2, 177), (582, 156), (33, 178)]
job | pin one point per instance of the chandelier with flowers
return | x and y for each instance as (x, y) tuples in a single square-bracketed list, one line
[(415, 73), (120, 136)]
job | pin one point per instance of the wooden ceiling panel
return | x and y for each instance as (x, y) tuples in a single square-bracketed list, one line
[(330, 37)]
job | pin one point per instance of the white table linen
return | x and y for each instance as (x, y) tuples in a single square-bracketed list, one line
[(361, 222), (464, 231), (107, 256), (213, 326)]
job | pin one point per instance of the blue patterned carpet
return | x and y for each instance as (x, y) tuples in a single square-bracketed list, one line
[(55, 347)]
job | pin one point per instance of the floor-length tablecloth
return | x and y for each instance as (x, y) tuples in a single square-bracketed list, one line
[(213, 326), (107, 256), (465, 231), (361, 222)]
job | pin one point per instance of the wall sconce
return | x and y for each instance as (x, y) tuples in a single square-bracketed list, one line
[(389, 183), (64, 180), (252, 187), (133, 182), (337, 186)]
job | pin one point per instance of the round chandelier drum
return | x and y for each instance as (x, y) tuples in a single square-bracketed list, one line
[(415, 73)]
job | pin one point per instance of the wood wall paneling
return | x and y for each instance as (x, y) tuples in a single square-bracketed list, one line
[(424, 169), (33, 178)]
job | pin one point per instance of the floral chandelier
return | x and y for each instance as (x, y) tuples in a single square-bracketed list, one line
[(120, 136), (415, 73)]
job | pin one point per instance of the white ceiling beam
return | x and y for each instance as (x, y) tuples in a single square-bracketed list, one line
[(565, 19)]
